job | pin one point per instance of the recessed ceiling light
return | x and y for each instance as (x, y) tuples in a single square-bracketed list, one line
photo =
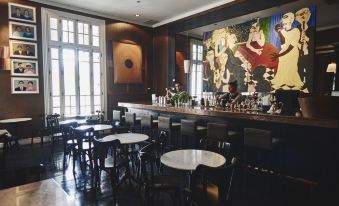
[(137, 15), (138, 1)]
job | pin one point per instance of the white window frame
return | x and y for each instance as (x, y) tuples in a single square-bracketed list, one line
[(196, 62), (47, 43)]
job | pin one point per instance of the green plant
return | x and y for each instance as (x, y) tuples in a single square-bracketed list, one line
[(183, 97)]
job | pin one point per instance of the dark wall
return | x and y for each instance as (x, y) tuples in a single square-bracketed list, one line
[(32, 105)]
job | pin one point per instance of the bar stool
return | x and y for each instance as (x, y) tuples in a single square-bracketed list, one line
[(131, 121), (170, 128), (117, 118), (261, 143), (148, 125), (191, 133), (217, 132)]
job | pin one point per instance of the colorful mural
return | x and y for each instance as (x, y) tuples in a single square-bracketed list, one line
[(263, 55)]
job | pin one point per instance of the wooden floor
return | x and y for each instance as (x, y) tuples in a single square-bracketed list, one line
[(33, 163)]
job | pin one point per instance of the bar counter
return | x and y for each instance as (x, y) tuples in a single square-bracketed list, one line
[(219, 112)]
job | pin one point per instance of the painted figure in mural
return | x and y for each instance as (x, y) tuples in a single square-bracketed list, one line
[(235, 67), (287, 76), (303, 16), (256, 50)]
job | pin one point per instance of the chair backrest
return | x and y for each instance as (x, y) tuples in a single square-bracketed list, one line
[(53, 123), (165, 123), (188, 127), (117, 116), (148, 156), (222, 177), (130, 118), (84, 135), (258, 138), (101, 150), (217, 131), (91, 121), (146, 121), (68, 131)]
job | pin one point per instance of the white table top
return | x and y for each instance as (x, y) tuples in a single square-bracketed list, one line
[(126, 138), (96, 127), (67, 121), (189, 159), (15, 120), (45, 192)]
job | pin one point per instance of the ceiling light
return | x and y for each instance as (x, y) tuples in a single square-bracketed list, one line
[(138, 1), (137, 15)]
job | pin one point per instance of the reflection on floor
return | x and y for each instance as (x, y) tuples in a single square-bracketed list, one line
[(33, 163)]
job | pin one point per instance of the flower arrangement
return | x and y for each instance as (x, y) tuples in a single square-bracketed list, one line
[(182, 97)]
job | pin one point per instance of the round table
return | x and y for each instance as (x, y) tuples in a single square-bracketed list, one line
[(125, 138), (96, 127), (79, 121), (189, 159), (13, 124), (14, 120)]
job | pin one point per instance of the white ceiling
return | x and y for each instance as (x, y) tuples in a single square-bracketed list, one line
[(158, 11)]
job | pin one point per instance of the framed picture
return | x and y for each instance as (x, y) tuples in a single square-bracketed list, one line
[(127, 63), (21, 67), (21, 12), (22, 31), (23, 85), (23, 49)]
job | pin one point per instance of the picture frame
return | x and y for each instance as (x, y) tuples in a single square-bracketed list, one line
[(25, 85), (22, 49), (18, 30), (20, 67), (21, 12)]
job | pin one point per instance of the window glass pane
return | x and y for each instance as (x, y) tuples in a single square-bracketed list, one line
[(95, 41), (86, 40), (55, 53), (54, 35), (64, 25), (95, 30), (55, 77), (56, 110), (56, 101), (53, 23), (73, 101), (96, 57), (84, 73), (193, 80), (80, 28), (96, 78), (80, 38), (65, 36), (67, 101), (71, 38), (97, 100), (85, 28), (194, 53), (70, 26), (199, 79), (69, 71)]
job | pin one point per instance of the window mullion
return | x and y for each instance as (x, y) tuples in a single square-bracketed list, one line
[(77, 81), (62, 82), (91, 80)]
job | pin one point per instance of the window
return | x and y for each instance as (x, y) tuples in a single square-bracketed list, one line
[(73, 63), (196, 68)]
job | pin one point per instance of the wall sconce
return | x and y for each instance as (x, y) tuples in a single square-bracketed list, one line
[(187, 64), (332, 68)]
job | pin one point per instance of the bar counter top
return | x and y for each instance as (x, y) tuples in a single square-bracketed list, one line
[(219, 112)]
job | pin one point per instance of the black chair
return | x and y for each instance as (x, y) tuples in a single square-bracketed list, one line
[(217, 132), (171, 129), (54, 129), (214, 186), (149, 156), (149, 125), (42, 131), (132, 122), (117, 118), (110, 162), (69, 139), (83, 148), (5, 138), (191, 133)]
